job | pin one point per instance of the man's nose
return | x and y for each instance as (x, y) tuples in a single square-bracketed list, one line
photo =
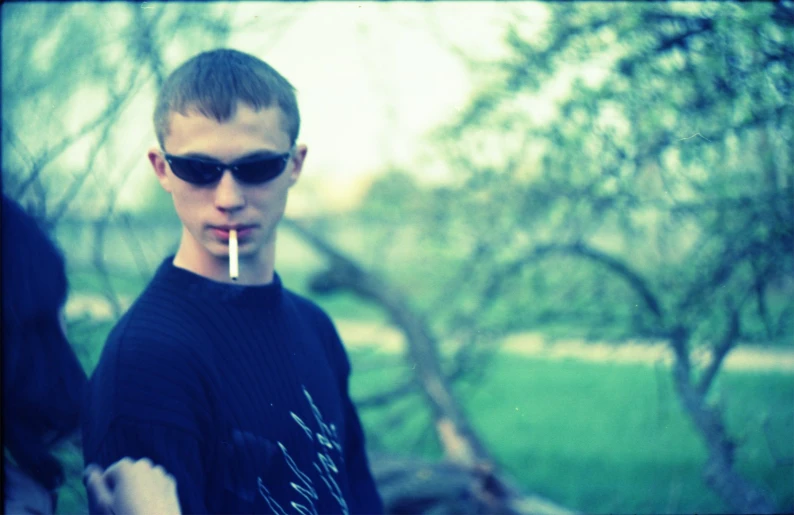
[(229, 194)]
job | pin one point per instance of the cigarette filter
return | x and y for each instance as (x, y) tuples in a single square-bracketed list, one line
[(234, 271)]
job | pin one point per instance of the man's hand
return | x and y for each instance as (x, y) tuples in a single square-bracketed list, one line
[(131, 488)]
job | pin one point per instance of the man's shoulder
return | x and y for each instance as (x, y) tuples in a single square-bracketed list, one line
[(307, 309), (156, 312), (156, 329), (147, 351), (141, 328), (312, 318)]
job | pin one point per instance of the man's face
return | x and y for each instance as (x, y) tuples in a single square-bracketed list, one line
[(209, 212)]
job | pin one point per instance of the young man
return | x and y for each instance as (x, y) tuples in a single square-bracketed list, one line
[(238, 389)]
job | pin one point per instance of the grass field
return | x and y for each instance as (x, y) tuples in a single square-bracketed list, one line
[(608, 438)]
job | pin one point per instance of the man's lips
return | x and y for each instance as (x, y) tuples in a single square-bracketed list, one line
[(222, 231)]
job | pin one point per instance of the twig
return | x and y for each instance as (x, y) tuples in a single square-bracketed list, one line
[(144, 269), (49, 155), (696, 135)]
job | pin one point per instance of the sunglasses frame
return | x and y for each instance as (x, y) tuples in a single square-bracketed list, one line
[(220, 167)]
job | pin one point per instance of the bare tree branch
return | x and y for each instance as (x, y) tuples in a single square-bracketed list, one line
[(639, 284), (719, 353), (67, 200), (143, 45), (633, 278), (17, 143), (46, 157), (98, 260), (144, 269), (464, 356), (377, 400)]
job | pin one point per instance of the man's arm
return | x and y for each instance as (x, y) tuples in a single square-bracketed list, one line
[(145, 400), (364, 492)]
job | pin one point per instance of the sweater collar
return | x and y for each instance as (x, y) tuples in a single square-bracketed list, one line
[(197, 286)]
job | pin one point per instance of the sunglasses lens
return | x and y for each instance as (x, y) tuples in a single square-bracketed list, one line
[(254, 171), (194, 171), (260, 170)]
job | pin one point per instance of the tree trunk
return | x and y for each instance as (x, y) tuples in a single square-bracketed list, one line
[(719, 473)]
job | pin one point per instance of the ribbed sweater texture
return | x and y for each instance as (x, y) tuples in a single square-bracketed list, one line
[(239, 392)]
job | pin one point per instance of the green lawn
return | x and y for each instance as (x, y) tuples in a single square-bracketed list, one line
[(604, 438)]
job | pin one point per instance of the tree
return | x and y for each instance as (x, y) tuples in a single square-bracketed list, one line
[(660, 178)]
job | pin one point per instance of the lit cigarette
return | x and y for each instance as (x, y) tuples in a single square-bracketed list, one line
[(233, 270)]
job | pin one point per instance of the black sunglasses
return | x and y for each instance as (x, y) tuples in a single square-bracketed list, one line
[(250, 170)]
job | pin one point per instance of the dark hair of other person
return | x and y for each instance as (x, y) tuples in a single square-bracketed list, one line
[(42, 377)]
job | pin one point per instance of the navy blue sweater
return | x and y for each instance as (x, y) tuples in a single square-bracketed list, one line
[(240, 392)]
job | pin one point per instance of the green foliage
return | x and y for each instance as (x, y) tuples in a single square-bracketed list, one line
[(390, 195), (72, 498)]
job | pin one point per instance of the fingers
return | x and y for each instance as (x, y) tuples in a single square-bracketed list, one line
[(89, 470), (122, 468), (126, 467), (129, 486), (159, 474), (100, 497)]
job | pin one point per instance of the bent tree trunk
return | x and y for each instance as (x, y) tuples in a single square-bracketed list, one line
[(719, 473), (469, 481)]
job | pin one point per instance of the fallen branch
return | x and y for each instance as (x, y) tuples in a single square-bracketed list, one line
[(487, 489)]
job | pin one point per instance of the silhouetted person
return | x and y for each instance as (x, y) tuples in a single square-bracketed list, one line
[(43, 383), (42, 378)]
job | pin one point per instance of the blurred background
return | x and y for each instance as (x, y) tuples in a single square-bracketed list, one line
[(556, 238)]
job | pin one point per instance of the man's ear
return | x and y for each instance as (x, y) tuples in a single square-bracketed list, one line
[(159, 165), (296, 162)]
